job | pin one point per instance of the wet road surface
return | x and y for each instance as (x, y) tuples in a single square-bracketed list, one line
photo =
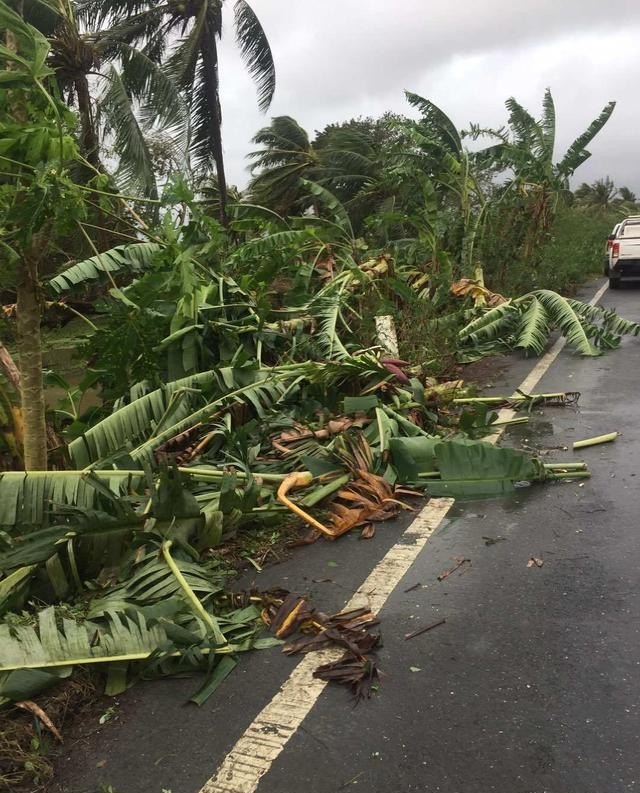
[(531, 686)]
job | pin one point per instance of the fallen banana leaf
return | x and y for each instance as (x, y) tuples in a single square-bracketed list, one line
[(360, 673), (289, 617)]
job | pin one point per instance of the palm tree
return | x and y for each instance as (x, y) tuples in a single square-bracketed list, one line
[(284, 157), (600, 193), (76, 55), (348, 159), (183, 34), (626, 195)]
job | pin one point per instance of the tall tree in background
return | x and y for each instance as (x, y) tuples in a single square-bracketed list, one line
[(600, 193), (285, 156), (133, 93), (193, 60)]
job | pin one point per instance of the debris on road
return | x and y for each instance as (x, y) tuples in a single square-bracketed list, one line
[(426, 628), (493, 540), (351, 630), (534, 561), (459, 563), (360, 673), (596, 441)]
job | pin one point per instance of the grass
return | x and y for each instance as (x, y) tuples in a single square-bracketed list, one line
[(27, 749), (573, 253)]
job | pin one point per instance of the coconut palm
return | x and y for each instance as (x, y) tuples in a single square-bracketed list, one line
[(600, 193), (626, 195), (125, 78), (285, 156), (183, 34)]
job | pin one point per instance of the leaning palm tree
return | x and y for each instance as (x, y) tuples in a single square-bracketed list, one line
[(183, 35), (285, 157), (626, 195), (132, 92)]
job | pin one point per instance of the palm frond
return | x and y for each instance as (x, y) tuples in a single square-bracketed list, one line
[(136, 168), (256, 52), (148, 82), (284, 133)]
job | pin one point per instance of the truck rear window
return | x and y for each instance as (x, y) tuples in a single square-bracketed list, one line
[(630, 230)]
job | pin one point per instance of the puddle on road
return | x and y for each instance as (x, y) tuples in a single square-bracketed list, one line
[(531, 433)]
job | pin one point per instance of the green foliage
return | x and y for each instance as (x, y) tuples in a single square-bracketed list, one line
[(526, 323), (229, 352)]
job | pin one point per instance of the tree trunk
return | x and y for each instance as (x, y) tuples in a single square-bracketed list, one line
[(30, 356), (209, 51), (88, 138)]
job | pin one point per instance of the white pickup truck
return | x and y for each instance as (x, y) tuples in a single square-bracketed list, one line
[(624, 254)]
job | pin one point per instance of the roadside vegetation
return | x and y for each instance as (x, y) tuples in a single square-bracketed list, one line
[(230, 380)]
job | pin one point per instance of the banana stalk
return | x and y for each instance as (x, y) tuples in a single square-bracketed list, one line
[(595, 441)]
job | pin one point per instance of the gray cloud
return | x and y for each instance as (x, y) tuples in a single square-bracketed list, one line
[(342, 58)]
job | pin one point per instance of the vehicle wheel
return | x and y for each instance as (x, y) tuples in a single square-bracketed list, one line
[(614, 283)]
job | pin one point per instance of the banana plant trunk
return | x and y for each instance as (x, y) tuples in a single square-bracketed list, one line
[(209, 51), (29, 342)]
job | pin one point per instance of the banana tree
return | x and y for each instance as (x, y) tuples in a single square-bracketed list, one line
[(525, 153)]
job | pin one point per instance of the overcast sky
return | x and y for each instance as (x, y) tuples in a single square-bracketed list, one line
[(339, 59)]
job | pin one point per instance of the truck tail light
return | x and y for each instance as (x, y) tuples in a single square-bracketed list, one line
[(615, 250), (609, 245)]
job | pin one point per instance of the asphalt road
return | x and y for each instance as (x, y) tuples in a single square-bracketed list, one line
[(531, 686)]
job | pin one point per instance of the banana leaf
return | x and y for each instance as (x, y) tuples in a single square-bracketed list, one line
[(127, 637), (413, 456), (462, 468), (12, 584), (471, 469)]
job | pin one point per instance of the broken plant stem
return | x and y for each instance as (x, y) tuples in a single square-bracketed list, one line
[(426, 628), (595, 441), (304, 479), (191, 595), (567, 466), (320, 493)]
